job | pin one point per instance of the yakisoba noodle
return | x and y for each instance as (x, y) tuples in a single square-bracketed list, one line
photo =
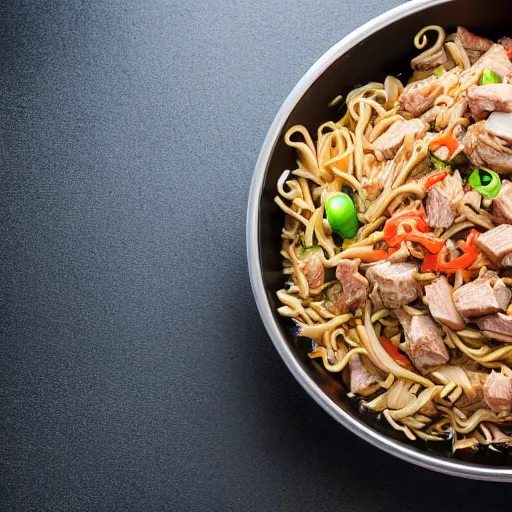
[(411, 309)]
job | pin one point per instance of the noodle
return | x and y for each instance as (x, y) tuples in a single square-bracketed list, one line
[(399, 160)]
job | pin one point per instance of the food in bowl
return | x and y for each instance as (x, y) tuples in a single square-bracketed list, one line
[(397, 242)]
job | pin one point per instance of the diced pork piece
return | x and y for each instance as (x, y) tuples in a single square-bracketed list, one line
[(502, 205), (496, 243), (364, 376), (499, 124), (484, 149), (443, 200), (481, 297), (312, 267), (495, 59), (441, 305), (354, 287), (496, 324), (474, 45), (390, 141), (498, 392), (425, 63), (506, 42), (393, 284), (420, 96), (484, 99), (423, 343), (503, 294)]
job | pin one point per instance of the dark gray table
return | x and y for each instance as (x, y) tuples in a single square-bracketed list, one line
[(135, 373)]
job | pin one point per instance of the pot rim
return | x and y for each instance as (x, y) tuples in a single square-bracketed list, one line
[(409, 454)]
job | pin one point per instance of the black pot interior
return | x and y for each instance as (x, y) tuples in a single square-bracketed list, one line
[(388, 51)]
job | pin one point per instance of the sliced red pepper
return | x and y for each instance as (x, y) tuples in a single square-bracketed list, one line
[(509, 53), (412, 229), (446, 140), (434, 178), (412, 219), (438, 262), (429, 263), (392, 350)]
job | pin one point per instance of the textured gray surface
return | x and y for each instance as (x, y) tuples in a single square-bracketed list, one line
[(135, 373)]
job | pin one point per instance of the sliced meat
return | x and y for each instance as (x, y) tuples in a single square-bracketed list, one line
[(471, 41), (502, 293), (502, 205), (481, 297), (443, 200), (499, 124), (441, 305), (426, 63), (495, 59), (498, 323), (364, 376), (423, 344), (496, 243), (354, 287), (393, 284), (420, 96), (474, 45), (484, 99), (484, 149), (390, 141), (506, 42), (312, 267), (498, 392)]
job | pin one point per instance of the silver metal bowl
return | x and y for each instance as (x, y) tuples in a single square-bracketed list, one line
[(380, 47)]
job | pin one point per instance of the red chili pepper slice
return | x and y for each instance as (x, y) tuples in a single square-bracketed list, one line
[(446, 140), (438, 262), (392, 350), (434, 178)]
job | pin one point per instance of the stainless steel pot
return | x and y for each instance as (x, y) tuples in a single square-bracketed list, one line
[(380, 47)]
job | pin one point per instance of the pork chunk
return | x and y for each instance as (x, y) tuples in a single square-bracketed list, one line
[(496, 243), (443, 200), (498, 324), (498, 392), (393, 284), (502, 205), (473, 43), (423, 344), (354, 287), (420, 96), (364, 376), (484, 99), (390, 141), (441, 305), (313, 268), (495, 59), (481, 297), (486, 150)]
